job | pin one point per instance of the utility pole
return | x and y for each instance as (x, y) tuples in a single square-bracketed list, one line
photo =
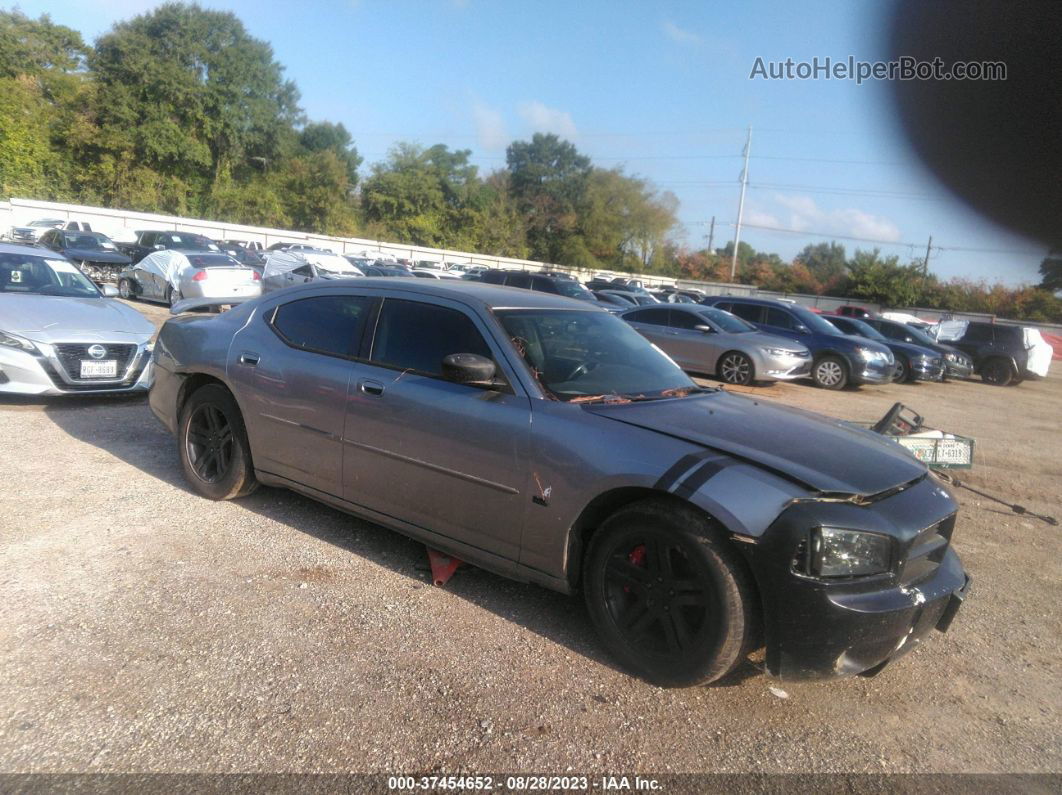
[(741, 205), (711, 235), (925, 264)]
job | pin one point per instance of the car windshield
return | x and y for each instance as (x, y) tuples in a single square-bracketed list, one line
[(866, 330), (592, 355), (87, 240), (186, 242), (726, 321), (814, 322), (42, 276), (918, 335)]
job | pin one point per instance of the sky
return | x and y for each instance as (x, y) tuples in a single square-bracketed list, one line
[(661, 89)]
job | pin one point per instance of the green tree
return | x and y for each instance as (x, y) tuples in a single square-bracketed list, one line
[(883, 280), (325, 136), (1051, 271), (825, 262), (548, 179)]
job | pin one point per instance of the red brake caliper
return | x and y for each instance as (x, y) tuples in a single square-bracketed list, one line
[(636, 557)]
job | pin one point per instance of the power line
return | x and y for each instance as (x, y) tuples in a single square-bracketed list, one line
[(899, 243)]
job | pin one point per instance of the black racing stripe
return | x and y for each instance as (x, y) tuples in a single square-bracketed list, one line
[(701, 476), (680, 467)]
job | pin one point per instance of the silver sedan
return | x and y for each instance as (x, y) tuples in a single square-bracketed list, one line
[(60, 334), (703, 339), (170, 275)]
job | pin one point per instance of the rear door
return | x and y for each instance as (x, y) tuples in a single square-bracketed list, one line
[(700, 350), (778, 322), (291, 367), (653, 325), (448, 457)]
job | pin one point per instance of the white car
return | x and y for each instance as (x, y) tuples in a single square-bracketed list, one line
[(60, 334), (170, 276), (291, 267)]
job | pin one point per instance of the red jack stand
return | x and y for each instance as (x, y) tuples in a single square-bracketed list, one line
[(442, 566)]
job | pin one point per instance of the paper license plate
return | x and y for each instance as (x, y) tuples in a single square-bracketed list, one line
[(108, 369)]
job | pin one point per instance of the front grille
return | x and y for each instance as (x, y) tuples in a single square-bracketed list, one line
[(927, 551), (70, 355)]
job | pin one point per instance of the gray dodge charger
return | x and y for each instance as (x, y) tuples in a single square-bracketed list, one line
[(546, 440)]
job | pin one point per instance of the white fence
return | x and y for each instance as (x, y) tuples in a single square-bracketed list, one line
[(121, 224)]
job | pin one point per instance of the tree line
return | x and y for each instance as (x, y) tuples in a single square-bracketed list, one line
[(181, 111)]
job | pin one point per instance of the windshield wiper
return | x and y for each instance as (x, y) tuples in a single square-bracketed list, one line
[(667, 394), (610, 398)]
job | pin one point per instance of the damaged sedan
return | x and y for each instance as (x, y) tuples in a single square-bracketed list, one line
[(547, 441)]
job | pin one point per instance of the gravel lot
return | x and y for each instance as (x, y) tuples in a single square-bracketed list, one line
[(146, 629)]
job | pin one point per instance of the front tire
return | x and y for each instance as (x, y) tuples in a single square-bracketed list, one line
[(830, 372), (997, 372), (172, 296), (736, 368), (125, 290), (671, 601), (212, 443), (903, 371)]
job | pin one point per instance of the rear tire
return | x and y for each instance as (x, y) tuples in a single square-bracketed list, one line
[(736, 368), (830, 372), (669, 598), (998, 372), (212, 444)]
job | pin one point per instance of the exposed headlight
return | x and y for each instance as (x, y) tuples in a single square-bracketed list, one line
[(780, 352), (951, 357), (833, 552), (871, 355), (14, 341)]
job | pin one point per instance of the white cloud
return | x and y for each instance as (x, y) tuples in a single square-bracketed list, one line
[(490, 127), (681, 35), (546, 119), (758, 218), (805, 214)]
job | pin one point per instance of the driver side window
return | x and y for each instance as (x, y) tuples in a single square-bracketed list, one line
[(414, 336)]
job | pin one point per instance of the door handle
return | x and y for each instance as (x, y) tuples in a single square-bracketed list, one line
[(250, 359), (371, 387)]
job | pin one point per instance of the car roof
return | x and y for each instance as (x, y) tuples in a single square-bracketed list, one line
[(486, 296), (36, 251), (760, 301)]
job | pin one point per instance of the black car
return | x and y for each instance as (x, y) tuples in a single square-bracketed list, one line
[(242, 254), (837, 359), (149, 241), (956, 363), (998, 352), (385, 270), (97, 255), (539, 282), (913, 362)]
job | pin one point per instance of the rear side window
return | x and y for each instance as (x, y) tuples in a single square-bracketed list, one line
[(544, 285), (653, 317), (978, 332), (411, 335), (518, 280), (749, 312), (777, 318), (493, 277), (329, 324)]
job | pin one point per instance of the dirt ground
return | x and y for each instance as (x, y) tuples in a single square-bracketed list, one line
[(146, 629)]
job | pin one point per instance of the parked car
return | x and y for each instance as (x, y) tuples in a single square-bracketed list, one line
[(170, 276), (60, 334), (385, 270), (858, 312), (614, 298), (638, 299), (31, 232), (242, 254), (1002, 354), (433, 273), (96, 253), (540, 282), (249, 245), (703, 339), (837, 359), (913, 362), (286, 268), (149, 241), (697, 524), (956, 363)]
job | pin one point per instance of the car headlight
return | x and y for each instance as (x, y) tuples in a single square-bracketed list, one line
[(14, 341), (951, 357), (869, 354), (780, 352), (831, 552)]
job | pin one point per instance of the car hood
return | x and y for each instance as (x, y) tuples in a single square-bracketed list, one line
[(824, 454), (96, 255), (912, 350), (773, 341), (48, 318)]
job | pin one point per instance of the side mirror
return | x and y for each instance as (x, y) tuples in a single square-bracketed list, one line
[(468, 368), (109, 290), (802, 328), (704, 329)]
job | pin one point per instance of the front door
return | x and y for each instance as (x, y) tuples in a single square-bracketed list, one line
[(448, 457)]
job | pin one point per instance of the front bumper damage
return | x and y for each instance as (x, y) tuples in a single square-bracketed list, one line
[(817, 629)]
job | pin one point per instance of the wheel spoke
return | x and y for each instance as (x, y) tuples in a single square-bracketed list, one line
[(674, 644), (679, 628), (635, 627), (687, 586), (626, 573), (203, 465), (224, 454), (197, 436)]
